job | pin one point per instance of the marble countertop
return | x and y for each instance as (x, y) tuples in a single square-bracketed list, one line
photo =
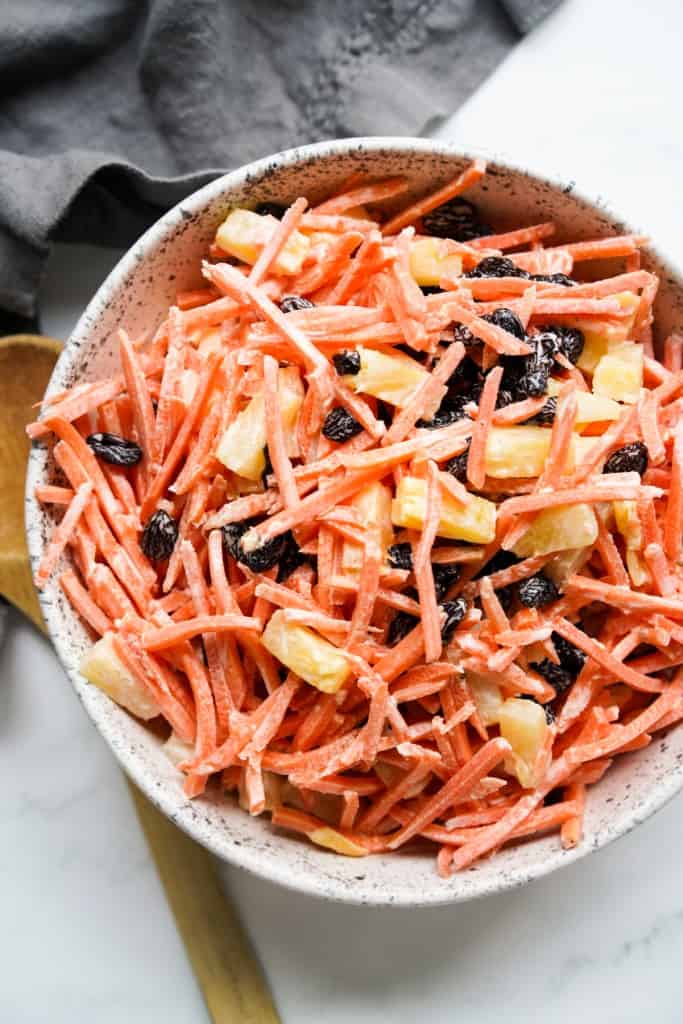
[(593, 96)]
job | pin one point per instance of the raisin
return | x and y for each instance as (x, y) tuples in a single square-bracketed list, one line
[(457, 219), (632, 458), (571, 342), (559, 678), (457, 466), (501, 560), (399, 627), (430, 289), (546, 415), (537, 591), (267, 469), (466, 375), (262, 558), (464, 335), (571, 657), (554, 279), (407, 350), (450, 411), (346, 362), (506, 597), (527, 376), (555, 796), (340, 425), (400, 556), (496, 266), (503, 398), (455, 613), (445, 576), (290, 303), (114, 449), (507, 320), (271, 210), (159, 536), (533, 385), (290, 559)]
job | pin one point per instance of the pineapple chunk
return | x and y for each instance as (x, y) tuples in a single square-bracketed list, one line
[(566, 564), (102, 667), (430, 261), (306, 653), (590, 408), (523, 725), (391, 378), (243, 234), (333, 840), (474, 522), (619, 374), (637, 569), (628, 523), (373, 505), (558, 529), (517, 451), (242, 447), (486, 695), (600, 337)]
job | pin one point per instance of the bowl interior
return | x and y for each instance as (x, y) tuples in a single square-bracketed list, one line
[(136, 295)]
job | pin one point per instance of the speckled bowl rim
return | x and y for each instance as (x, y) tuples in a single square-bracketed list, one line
[(247, 857)]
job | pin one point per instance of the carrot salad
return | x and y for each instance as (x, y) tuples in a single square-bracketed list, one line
[(384, 519)]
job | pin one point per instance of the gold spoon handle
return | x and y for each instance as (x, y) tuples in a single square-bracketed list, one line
[(223, 961)]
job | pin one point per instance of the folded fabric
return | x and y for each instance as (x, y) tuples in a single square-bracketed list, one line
[(113, 110)]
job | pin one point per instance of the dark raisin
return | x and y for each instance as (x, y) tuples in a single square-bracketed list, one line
[(457, 466), (559, 678), (232, 535), (496, 266), (420, 357), (546, 416), (555, 796), (549, 713), (271, 210), (501, 560), (537, 591), (533, 385), (455, 613), (506, 596), (554, 279), (503, 398), (267, 555), (346, 362), (466, 375), (571, 657), (290, 303), (571, 341), (450, 411), (400, 556), (399, 627), (507, 320), (159, 536), (290, 559), (632, 458), (445, 576), (340, 425), (430, 289), (115, 449), (464, 335), (267, 469), (457, 219)]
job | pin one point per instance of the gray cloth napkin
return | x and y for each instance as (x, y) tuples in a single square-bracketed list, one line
[(113, 110)]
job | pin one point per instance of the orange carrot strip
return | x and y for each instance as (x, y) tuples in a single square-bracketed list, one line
[(49, 494), (147, 672), (470, 176), (138, 391), (277, 241), (173, 366), (476, 460), (424, 576), (461, 783), (356, 272), (426, 395), (277, 448), (61, 535), (363, 195), (673, 522), (171, 636), (604, 248), (619, 597), (368, 586), (572, 828), (499, 340), (83, 603), (603, 657), (511, 239)]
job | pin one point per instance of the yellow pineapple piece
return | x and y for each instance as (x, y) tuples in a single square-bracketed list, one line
[(102, 667), (430, 260), (599, 336), (591, 408), (486, 696), (333, 840), (566, 564), (517, 451), (619, 374), (637, 569), (474, 522), (373, 506), (392, 378), (628, 523), (559, 529), (244, 233), (177, 750), (242, 447), (303, 651), (523, 725)]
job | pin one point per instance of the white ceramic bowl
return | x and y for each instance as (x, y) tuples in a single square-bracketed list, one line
[(135, 295)]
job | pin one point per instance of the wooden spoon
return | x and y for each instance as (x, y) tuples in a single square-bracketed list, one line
[(224, 964)]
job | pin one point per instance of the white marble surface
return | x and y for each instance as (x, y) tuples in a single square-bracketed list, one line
[(86, 933)]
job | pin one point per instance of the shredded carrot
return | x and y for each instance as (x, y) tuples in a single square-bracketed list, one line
[(470, 176)]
